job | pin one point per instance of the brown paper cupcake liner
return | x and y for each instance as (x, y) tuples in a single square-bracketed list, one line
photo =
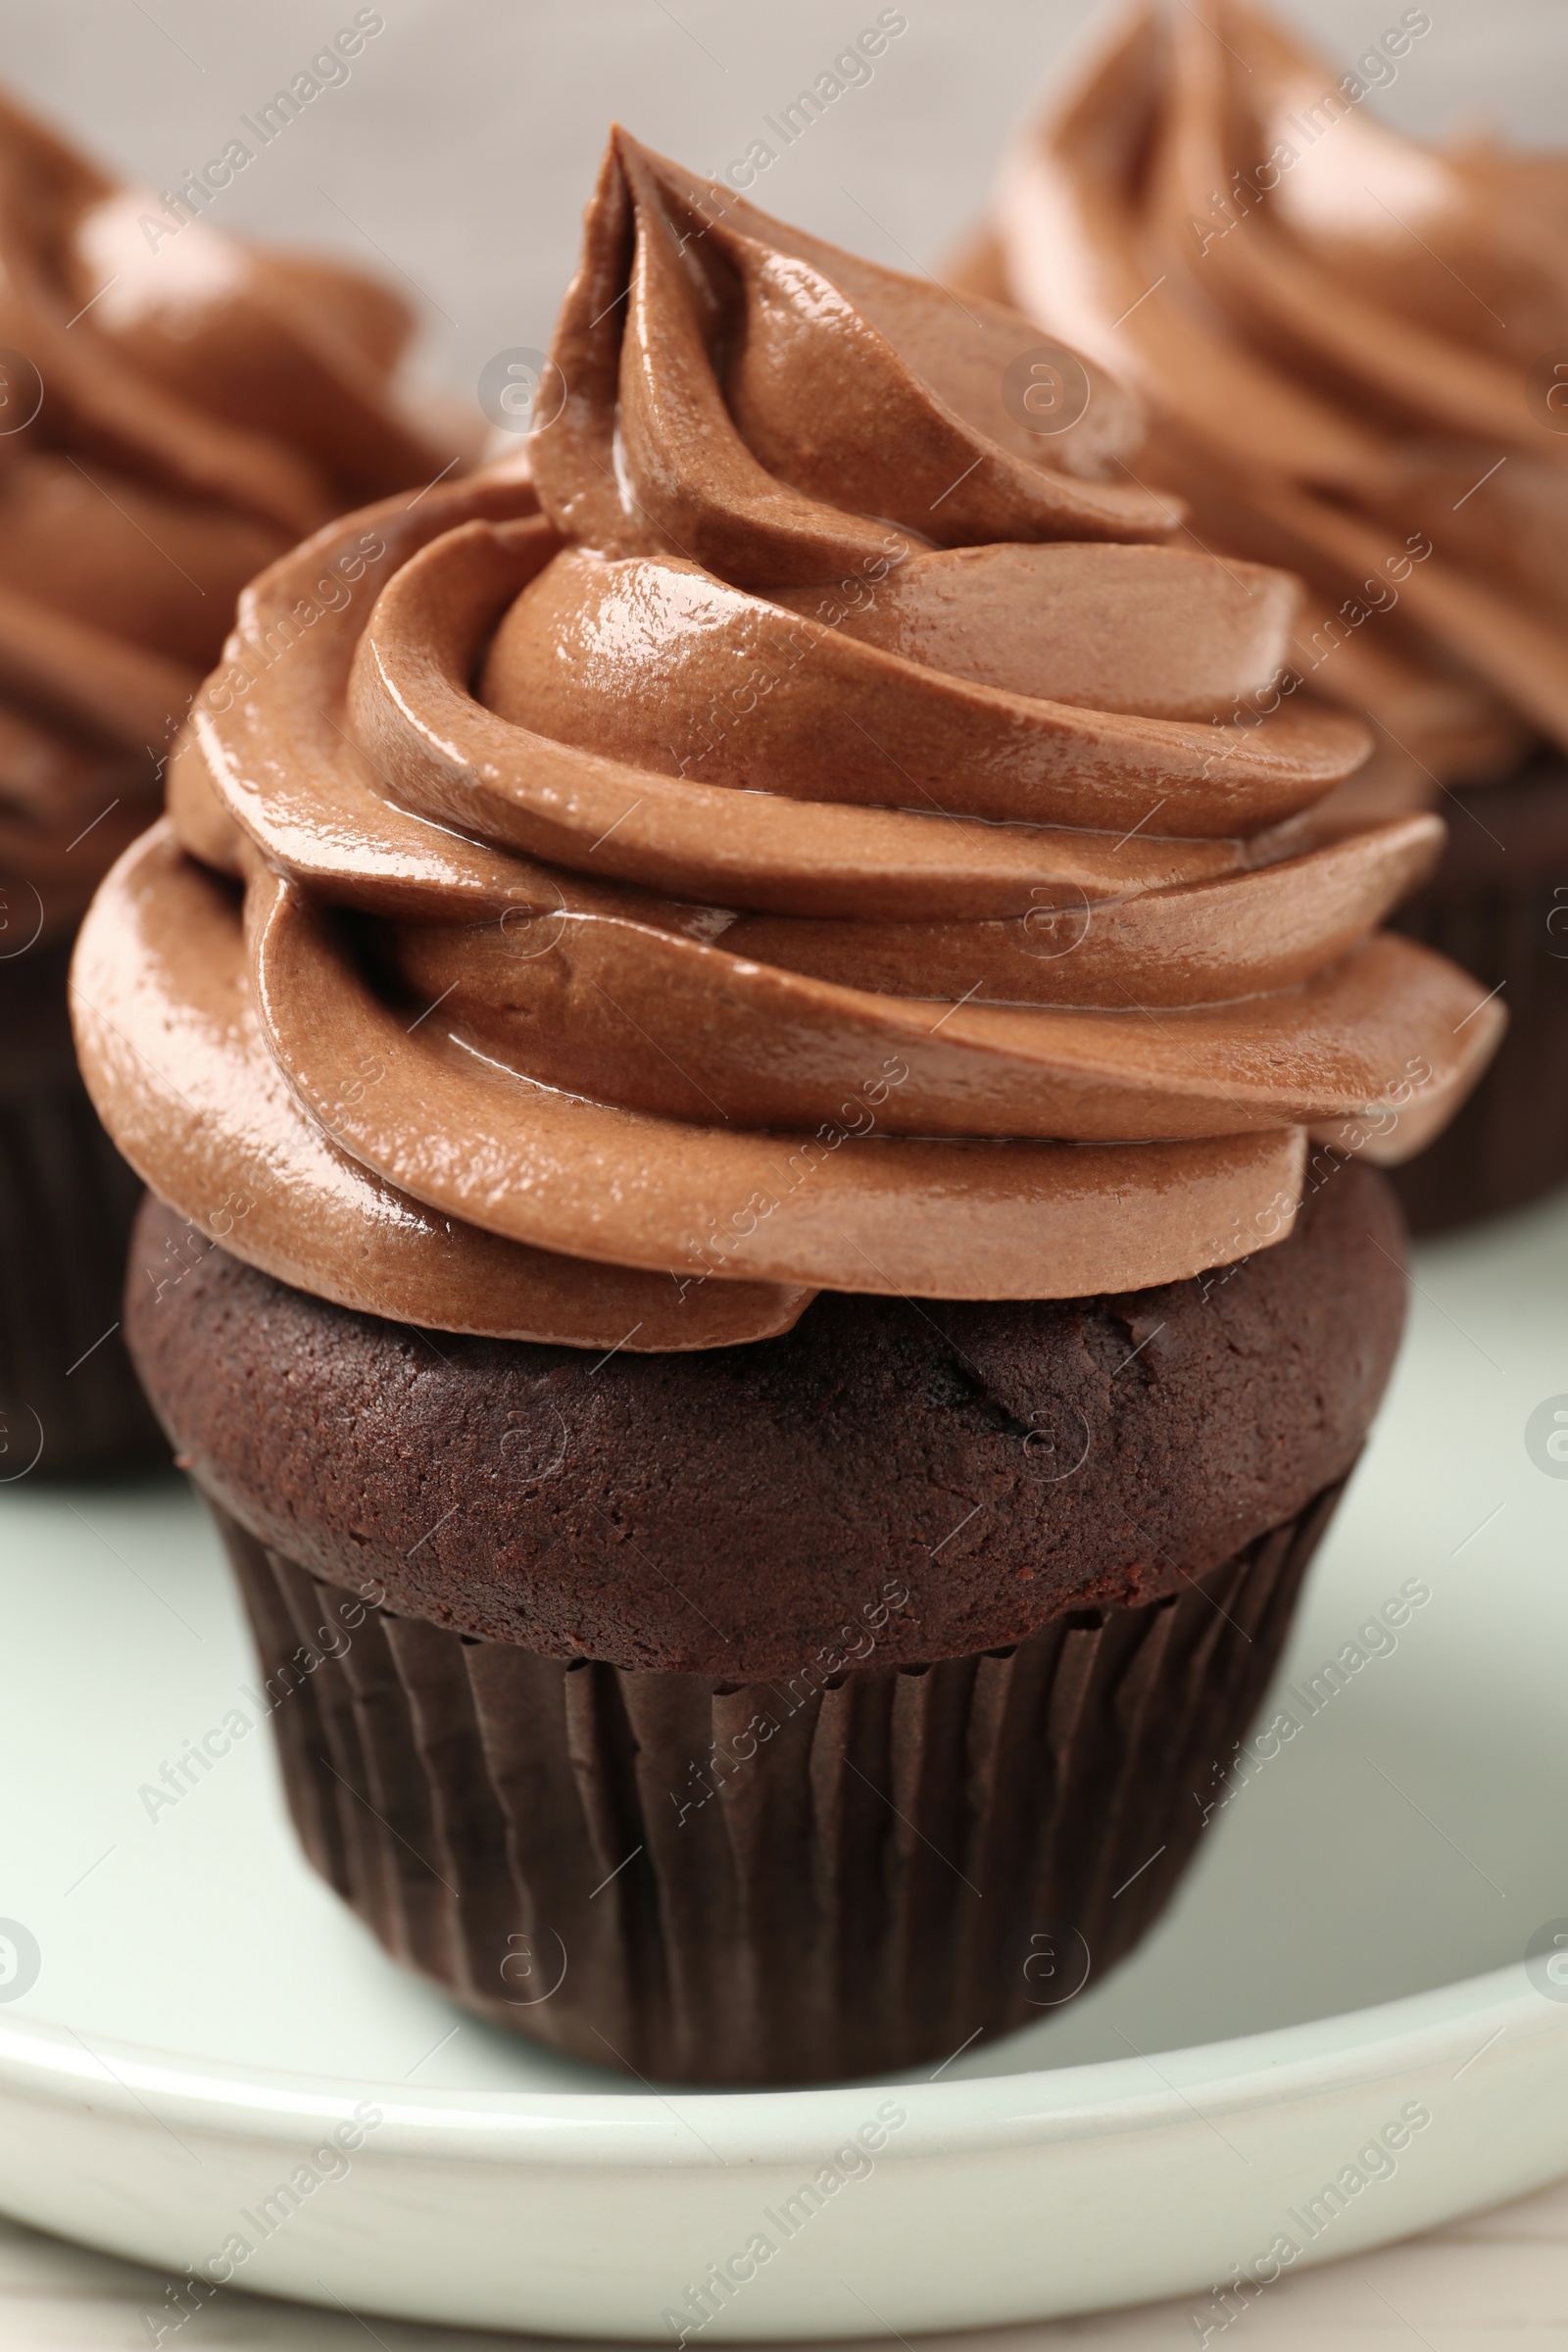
[(69, 1398), (819, 1877), (1499, 907)]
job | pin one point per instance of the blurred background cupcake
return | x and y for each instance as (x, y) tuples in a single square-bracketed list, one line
[(1353, 348), (176, 410), (754, 1088)]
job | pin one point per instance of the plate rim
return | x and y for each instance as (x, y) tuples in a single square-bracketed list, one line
[(1247, 2074)]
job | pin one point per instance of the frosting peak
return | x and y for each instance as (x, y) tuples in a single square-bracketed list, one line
[(756, 401), (823, 836)]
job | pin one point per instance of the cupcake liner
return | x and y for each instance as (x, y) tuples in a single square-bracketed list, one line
[(1509, 1142), (823, 1875), (68, 1398)]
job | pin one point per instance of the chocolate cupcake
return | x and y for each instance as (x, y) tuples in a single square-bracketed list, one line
[(1351, 347), (175, 411), (757, 1095)]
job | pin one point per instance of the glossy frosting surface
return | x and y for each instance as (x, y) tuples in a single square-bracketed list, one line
[(175, 411), (814, 833), (1354, 347)]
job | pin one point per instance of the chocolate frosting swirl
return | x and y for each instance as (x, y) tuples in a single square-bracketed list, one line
[(803, 838), (175, 411), (1346, 339)]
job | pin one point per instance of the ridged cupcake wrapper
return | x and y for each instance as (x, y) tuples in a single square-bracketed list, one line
[(68, 1398), (1509, 1140), (632, 1868)]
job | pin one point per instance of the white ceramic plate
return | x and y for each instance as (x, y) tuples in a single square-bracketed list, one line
[(1347, 1951)]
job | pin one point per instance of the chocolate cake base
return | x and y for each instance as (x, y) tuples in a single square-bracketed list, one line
[(69, 1401), (786, 1881), (791, 1711), (1497, 904), (734, 1512)]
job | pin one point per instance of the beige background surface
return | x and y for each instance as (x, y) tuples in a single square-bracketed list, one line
[(1495, 2283), (458, 158)]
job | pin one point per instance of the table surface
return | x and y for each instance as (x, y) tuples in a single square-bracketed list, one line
[(1495, 2278)]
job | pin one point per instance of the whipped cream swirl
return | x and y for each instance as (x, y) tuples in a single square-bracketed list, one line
[(1353, 348), (813, 833), (174, 412)]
